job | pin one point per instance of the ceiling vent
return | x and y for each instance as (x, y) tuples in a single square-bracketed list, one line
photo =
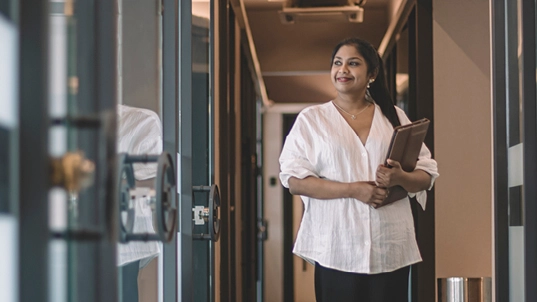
[(294, 11)]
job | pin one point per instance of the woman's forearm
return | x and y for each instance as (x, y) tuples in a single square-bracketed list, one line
[(393, 175), (319, 188), (415, 181)]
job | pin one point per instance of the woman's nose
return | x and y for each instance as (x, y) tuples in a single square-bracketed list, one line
[(343, 68)]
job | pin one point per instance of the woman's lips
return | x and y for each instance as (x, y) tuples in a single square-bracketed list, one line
[(343, 79)]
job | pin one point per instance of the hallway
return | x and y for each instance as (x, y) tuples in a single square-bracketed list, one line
[(140, 142)]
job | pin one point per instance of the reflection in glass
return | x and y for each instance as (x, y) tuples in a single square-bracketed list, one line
[(140, 54), (58, 209), (74, 208), (139, 83), (9, 148), (202, 139)]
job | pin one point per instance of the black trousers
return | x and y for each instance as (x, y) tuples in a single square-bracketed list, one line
[(337, 286)]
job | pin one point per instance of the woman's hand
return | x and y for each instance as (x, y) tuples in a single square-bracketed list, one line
[(413, 182), (389, 177), (369, 193), (366, 191)]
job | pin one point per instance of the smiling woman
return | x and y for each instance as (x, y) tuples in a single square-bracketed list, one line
[(366, 60), (361, 246), (350, 72)]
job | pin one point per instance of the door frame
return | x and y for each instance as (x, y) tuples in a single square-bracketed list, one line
[(529, 109), (529, 140), (174, 71), (34, 170), (418, 16), (34, 231), (501, 195)]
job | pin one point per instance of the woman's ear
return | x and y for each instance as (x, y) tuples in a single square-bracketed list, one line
[(373, 75)]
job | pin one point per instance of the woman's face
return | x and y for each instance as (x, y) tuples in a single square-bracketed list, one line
[(349, 71)]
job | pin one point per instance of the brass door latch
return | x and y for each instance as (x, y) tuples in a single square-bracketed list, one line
[(72, 171)]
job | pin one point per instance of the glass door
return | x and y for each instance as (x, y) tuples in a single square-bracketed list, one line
[(84, 65), (8, 159), (67, 217), (140, 136), (206, 194), (515, 110), (515, 140), (94, 85), (82, 151)]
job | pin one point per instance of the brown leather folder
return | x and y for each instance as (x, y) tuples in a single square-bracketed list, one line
[(405, 148)]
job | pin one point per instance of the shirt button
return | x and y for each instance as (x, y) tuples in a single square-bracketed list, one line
[(364, 154), (366, 243)]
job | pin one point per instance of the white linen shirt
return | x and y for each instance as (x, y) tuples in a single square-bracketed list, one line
[(139, 132), (347, 234)]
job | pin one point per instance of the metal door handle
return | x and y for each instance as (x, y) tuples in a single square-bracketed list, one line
[(202, 215), (74, 172), (126, 183), (163, 202), (166, 203)]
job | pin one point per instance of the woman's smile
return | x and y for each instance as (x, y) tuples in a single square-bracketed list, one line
[(344, 79)]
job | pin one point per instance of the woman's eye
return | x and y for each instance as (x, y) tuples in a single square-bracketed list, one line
[(337, 63), (354, 63)]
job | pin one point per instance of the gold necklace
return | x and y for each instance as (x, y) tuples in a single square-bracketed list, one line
[(353, 116)]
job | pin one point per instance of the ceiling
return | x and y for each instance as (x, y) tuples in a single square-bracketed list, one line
[(295, 59)]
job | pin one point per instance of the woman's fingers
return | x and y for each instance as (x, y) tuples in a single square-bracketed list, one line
[(394, 164), (378, 197), (385, 177), (383, 180)]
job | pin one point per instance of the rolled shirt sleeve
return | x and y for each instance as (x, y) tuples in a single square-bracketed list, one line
[(427, 164), (294, 161)]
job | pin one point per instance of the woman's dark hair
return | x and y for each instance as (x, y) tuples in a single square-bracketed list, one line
[(379, 88)]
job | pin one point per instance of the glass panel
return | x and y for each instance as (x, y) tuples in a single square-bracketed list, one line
[(8, 161), (202, 149), (139, 45), (515, 143), (9, 9), (58, 249), (8, 113), (78, 204)]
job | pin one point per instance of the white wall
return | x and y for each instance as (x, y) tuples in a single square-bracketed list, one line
[(273, 208), (304, 272), (273, 199), (463, 138), (140, 58)]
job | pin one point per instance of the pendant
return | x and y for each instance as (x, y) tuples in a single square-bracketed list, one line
[(353, 117)]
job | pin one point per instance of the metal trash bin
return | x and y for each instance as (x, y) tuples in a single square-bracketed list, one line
[(461, 289)]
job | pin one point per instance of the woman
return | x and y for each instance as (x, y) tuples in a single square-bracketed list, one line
[(333, 157)]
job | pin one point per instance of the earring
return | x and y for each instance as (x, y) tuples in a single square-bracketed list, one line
[(370, 81)]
